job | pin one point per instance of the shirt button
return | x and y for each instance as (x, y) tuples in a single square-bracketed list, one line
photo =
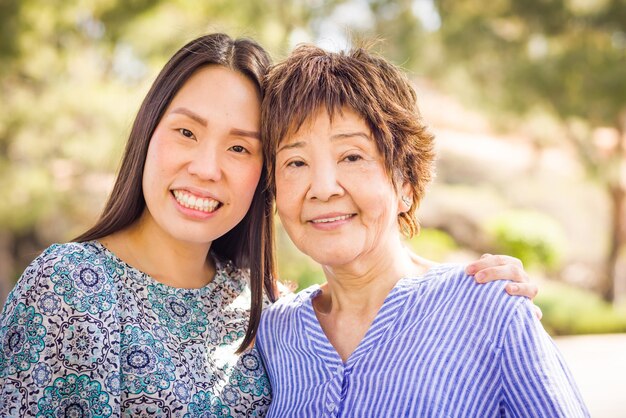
[(331, 406), (339, 369)]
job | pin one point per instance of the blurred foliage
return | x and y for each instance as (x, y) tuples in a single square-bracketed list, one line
[(565, 55), (433, 244), (568, 310), (533, 237), (565, 59)]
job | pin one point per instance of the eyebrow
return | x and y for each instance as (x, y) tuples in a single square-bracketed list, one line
[(335, 137), (242, 132), (190, 114), (203, 122), (350, 135), (299, 144)]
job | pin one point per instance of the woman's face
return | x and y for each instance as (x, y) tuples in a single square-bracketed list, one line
[(205, 157), (333, 195)]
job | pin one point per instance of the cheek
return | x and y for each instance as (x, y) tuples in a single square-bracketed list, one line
[(286, 199), (249, 177), (153, 167), (282, 207), (377, 202), (161, 157)]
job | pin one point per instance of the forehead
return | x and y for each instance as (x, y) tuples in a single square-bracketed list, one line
[(321, 122), (215, 87)]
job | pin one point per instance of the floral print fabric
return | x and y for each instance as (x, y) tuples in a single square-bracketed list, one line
[(85, 334)]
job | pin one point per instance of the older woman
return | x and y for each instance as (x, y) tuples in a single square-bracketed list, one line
[(385, 336)]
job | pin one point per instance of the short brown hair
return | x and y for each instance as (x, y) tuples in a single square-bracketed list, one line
[(312, 78)]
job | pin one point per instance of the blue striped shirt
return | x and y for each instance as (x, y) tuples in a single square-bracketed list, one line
[(440, 346)]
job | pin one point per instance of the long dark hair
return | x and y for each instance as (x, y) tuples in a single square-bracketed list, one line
[(249, 245)]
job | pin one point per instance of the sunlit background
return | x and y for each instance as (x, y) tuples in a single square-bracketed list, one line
[(527, 100)]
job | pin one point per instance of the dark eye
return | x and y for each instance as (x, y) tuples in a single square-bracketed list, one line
[(353, 158), (186, 133), (296, 163), (238, 149)]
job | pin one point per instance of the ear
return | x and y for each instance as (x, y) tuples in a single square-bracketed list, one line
[(405, 198)]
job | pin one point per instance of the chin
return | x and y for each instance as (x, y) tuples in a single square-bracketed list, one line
[(197, 237)]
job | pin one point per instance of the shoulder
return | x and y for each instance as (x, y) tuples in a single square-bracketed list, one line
[(38, 271), (286, 310), (79, 275), (231, 283), (451, 280), (229, 275), (77, 250), (292, 302), (448, 288), (57, 252), (71, 256)]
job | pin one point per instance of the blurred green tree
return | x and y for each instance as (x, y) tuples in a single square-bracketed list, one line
[(567, 58), (531, 236)]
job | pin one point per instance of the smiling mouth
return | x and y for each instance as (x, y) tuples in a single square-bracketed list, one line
[(202, 204), (333, 219)]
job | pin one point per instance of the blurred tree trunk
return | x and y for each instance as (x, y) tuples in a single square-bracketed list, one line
[(610, 172), (617, 244), (616, 260)]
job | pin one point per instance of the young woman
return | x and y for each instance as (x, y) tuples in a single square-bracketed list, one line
[(149, 310), (152, 311)]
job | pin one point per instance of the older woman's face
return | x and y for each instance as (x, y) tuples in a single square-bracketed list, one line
[(333, 194)]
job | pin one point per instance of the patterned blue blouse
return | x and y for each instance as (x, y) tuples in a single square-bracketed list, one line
[(85, 334)]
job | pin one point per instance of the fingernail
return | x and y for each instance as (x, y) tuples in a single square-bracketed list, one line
[(480, 276), (513, 287), (470, 270)]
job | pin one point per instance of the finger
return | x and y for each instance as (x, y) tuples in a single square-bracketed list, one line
[(489, 260), (505, 272), (538, 312), (529, 290)]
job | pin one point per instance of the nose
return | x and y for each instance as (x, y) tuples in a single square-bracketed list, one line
[(324, 183), (205, 163)]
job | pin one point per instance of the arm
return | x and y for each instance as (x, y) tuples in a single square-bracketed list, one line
[(36, 334), (535, 379)]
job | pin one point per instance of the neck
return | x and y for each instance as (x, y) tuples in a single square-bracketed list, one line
[(164, 258), (362, 286), (355, 292)]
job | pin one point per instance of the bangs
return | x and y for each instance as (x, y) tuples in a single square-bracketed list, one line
[(318, 82)]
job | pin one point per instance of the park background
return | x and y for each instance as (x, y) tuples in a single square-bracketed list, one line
[(527, 100)]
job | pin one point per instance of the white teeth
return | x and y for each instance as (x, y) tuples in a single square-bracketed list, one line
[(336, 218), (188, 200)]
